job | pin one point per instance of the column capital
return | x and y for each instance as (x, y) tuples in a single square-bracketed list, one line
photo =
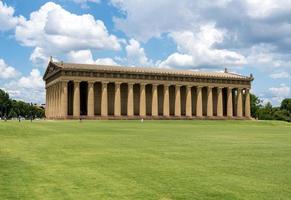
[(178, 85), (143, 84), (130, 85), (104, 82), (64, 81), (199, 87), (90, 83), (230, 88), (188, 87), (210, 87), (117, 83), (77, 81)]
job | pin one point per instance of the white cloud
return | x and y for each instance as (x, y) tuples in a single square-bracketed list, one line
[(84, 4), (264, 58), (135, 54), (47, 30), (146, 19), (85, 56), (276, 94), (28, 88), (39, 57), (7, 19), (105, 61), (261, 9), (7, 71), (198, 49), (280, 75), (282, 91), (82, 56), (34, 80), (177, 60)]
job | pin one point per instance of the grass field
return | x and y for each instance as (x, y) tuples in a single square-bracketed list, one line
[(150, 160)]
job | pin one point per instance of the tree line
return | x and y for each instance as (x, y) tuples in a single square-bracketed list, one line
[(268, 112), (10, 108)]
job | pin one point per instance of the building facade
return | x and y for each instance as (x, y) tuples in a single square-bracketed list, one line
[(76, 91)]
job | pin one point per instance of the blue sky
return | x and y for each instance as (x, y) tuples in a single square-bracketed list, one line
[(246, 36)]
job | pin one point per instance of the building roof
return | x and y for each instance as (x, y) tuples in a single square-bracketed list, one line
[(148, 70)]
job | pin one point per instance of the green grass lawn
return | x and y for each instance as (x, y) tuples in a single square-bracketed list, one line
[(150, 160)]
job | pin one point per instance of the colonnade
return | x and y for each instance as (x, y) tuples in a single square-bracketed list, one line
[(71, 99)]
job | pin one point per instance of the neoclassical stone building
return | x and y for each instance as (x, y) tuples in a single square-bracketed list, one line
[(98, 91)]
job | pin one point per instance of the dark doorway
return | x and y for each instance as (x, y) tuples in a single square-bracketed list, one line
[(160, 100), (172, 100), (111, 98), (149, 90), (136, 98), (97, 98), (123, 94), (194, 99), (70, 97), (83, 98), (224, 101), (204, 101), (183, 100)]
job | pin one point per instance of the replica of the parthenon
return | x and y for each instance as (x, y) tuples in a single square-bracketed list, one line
[(75, 91)]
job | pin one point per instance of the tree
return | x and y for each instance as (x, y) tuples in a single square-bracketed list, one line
[(4, 103), (266, 112), (12, 108), (286, 105), (256, 104), (12, 114)]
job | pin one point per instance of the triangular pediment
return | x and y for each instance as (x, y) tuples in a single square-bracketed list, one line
[(51, 68)]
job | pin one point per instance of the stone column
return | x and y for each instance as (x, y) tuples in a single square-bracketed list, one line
[(229, 102), (104, 98), (209, 102), (64, 99), (199, 102), (188, 101), (76, 109), (57, 100), (247, 104), (219, 102), (46, 102), (90, 104), (239, 102), (50, 101), (166, 106), (130, 100), (155, 100), (53, 100), (142, 102), (117, 100), (177, 101)]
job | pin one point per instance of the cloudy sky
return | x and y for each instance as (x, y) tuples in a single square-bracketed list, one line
[(246, 36)]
